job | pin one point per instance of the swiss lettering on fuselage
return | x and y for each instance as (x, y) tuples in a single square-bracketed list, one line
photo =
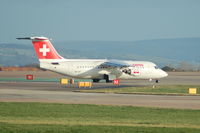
[(138, 65)]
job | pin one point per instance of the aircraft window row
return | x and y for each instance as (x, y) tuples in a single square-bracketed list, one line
[(85, 66), (102, 67)]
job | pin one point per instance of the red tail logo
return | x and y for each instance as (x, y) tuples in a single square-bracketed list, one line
[(45, 50)]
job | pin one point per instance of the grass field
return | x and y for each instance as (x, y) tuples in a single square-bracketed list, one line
[(68, 118), (159, 89)]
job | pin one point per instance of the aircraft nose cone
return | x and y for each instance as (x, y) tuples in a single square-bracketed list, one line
[(164, 74)]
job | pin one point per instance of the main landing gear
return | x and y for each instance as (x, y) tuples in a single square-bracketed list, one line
[(108, 78), (96, 80), (156, 81)]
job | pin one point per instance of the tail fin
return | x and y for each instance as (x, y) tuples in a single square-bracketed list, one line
[(43, 48)]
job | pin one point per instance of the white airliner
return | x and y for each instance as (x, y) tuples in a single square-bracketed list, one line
[(95, 69)]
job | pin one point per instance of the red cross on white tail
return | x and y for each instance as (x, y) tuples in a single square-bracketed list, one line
[(44, 50)]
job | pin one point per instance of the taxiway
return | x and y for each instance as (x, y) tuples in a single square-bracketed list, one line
[(55, 93)]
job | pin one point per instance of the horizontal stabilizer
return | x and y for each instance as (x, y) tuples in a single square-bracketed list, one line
[(33, 38), (24, 38)]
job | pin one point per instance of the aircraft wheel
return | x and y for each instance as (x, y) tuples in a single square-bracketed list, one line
[(96, 80), (157, 81), (106, 77)]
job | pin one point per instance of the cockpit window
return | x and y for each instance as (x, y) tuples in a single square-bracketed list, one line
[(156, 67)]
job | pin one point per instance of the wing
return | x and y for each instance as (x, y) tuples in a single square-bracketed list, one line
[(117, 67), (114, 64)]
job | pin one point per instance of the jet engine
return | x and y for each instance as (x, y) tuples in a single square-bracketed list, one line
[(127, 71)]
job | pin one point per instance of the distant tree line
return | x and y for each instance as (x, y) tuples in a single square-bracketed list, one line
[(183, 66), (32, 65)]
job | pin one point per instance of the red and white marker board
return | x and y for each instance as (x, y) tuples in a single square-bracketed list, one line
[(116, 82), (29, 77)]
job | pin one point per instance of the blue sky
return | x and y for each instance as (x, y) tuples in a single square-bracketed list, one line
[(102, 20)]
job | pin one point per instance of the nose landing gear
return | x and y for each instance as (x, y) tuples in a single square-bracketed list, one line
[(154, 83), (157, 81)]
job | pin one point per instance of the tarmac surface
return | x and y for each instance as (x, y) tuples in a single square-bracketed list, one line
[(53, 92)]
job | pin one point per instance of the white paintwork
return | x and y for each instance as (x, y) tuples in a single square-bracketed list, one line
[(89, 69)]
